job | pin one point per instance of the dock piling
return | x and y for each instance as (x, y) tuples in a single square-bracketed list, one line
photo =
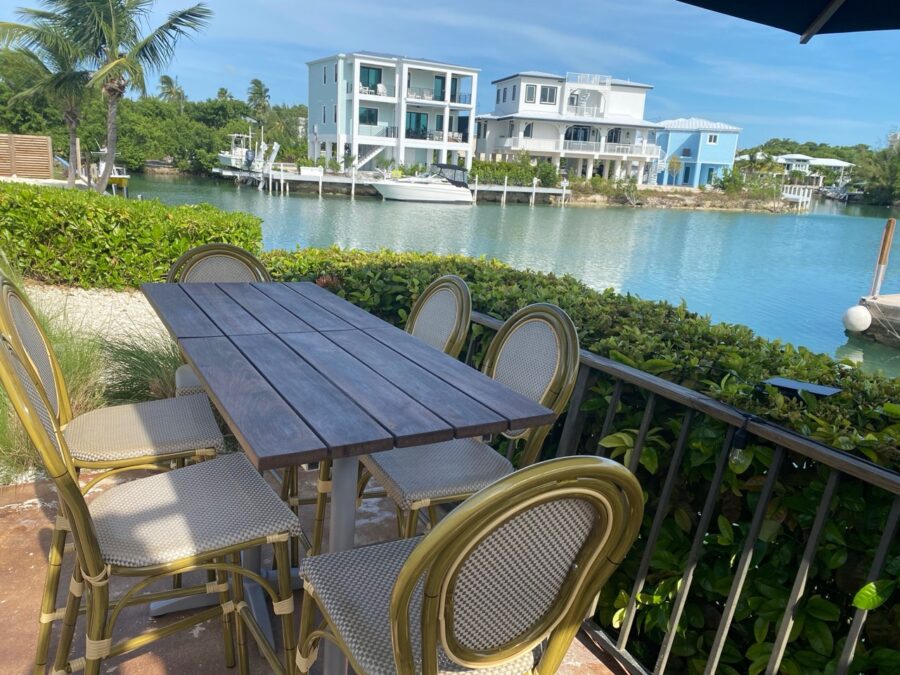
[(476, 189), (503, 197), (353, 182), (884, 253), (321, 176), (534, 182)]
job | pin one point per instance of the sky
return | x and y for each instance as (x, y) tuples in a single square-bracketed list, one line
[(838, 89)]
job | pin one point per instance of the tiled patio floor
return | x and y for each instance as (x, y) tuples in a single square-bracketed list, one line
[(26, 514)]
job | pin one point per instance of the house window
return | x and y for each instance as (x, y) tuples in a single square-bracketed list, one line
[(529, 130), (687, 175), (335, 113), (498, 95), (614, 135), (369, 77), (513, 93), (324, 74), (512, 129), (504, 94), (712, 139), (573, 100), (368, 116), (530, 93), (548, 95), (335, 72), (324, 113), (685, 152), (438, 122)]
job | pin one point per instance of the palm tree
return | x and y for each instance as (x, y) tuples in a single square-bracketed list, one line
[(224, 95), (48, 64), (111, 32), (171, 92), (258, 97)]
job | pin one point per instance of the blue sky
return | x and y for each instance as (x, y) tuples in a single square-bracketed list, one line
[(838, 89)]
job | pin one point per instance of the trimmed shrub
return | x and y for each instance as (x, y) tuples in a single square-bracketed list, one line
[(81, 238)]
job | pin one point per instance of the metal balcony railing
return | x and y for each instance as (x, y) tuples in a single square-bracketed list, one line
[(789, 450), (378, 130), (461, 98)]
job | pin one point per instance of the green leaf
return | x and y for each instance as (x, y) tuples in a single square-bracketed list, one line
[(620, 439), (820, 608), (874, 594), (760, 629), (892, 409), (657, 366), (819, 636), (618, 617), (616, 355), (683, 519), (727, 531)]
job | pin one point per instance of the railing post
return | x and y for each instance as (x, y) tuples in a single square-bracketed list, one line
[(572, 427), (611, 410), (475, 198)]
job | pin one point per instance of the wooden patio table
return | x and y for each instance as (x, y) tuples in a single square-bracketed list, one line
[(301, 375)]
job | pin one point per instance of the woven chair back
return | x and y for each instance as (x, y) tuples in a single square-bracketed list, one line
[(518, 563), (536, 354), (20, 321), (217, 263), (441, 315)]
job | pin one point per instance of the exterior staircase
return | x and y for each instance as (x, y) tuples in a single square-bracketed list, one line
[(368, 153)]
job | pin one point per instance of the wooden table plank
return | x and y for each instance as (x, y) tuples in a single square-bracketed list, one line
[(229, 316), (467, 416), (315, 315), (265, 310), (180, 315), (521, 411), (268, 429), (345, 427), (408, 421), (335, 304)]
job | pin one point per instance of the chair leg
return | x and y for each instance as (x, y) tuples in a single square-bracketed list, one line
[(295, 507), (322, 490), (304, 650), (227, 632), (361, 482), (240, 632), (67, 630), (410, 521), (48, 600), (98, 609), (432, 515), (285, 592)]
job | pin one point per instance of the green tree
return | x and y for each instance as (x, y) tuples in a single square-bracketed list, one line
[(112, 33), (258, 97), (223, 94), (172, 92), (45, 62)]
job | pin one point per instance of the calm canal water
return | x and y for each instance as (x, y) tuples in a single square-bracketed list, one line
[(786, 276)]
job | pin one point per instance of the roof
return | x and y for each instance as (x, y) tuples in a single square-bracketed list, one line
[(697, 124), (394, 57), (813, 161), (608, 120), (555, 76)]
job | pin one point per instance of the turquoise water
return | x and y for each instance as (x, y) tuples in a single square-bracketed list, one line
[(786, 276)]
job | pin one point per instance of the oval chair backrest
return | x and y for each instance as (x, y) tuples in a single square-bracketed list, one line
[(29, 337), (441, 315), (535, 353), (515, 563), (21, 383), (217, 263)]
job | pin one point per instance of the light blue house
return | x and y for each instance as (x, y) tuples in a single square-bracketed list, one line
[(704, 149)]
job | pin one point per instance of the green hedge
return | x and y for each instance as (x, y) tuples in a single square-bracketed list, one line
[(85, 239), (726, 362)]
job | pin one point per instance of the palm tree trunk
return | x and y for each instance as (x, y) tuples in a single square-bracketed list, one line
[(112, 136), (73, 151)]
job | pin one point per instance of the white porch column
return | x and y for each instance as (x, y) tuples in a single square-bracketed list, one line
[(617, 170), (640, 172), (590, 168), (403, 74), (470, 151), (445, 130), (354, 115)]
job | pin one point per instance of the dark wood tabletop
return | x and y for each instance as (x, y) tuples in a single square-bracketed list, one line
[(300, 374)]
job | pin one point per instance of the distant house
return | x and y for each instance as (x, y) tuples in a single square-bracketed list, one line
[(367, 106), (703, 150), (894, 140), (586, 124), (812, 166)]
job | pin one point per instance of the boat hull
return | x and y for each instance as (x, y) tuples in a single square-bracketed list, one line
[(423, 192)]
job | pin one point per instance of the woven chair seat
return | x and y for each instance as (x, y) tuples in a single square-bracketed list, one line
[(195, 510), (354, 588), (150, 428), (415, 477), (186, 381)]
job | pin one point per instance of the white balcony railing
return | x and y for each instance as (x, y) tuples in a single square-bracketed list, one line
[(585, 110), (378, 130), (589, 79), (377, 90), (640, 150), (420, 93)]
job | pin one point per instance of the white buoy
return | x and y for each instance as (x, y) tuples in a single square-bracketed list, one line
[(857, 319)]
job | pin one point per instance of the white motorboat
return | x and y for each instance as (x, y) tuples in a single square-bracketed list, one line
[(444, 183)]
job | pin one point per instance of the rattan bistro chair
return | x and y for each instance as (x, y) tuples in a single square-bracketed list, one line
[(440, 317), (501, 585), (196, 518), (534, 353), (211, 263)]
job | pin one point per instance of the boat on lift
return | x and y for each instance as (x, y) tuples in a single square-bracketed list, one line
[(243, 154), (118, 177), (443, 183)]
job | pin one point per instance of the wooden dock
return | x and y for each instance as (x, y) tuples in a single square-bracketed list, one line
[(885, 311)]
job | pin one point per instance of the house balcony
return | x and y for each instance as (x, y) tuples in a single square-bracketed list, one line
[(437, 136), (643, 150), (379, 90), (589, 79), (378, 131), (585, 110)]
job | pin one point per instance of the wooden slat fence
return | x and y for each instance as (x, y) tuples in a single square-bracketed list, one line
[(26, 156)]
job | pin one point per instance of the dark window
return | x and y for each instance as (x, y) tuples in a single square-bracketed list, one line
[(438, 122), (530, 93), (498, 95), (685, 152), (614, 135), (578, 133), (548, 95), (335, 72), (504, 94), (529, 130), (335, 114), (369, 77), (368, 116), (514, 93), (512, 129), (687, 175), (440, 84), (324, 113), (417, 125), (324, 74)]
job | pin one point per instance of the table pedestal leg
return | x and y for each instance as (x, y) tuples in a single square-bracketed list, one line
[(340, 535)]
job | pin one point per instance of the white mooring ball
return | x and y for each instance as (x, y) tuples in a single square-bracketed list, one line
[(857, 319)]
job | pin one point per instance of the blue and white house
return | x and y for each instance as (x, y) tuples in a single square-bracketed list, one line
[(704, 150)]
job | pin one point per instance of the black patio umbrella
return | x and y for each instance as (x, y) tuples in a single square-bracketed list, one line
[(811, 17)]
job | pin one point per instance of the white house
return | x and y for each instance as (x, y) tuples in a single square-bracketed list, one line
[(587, 124), (367, 106), (810, 166)]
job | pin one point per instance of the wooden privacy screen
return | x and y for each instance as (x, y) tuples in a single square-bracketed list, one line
[(26, 156)]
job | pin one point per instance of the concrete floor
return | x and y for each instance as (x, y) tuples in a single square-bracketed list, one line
[(26, 514)]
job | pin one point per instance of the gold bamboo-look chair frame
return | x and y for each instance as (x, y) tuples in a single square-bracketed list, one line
[(450, 341), (430, 577), (555, 395), (241, 265), (92, 573)]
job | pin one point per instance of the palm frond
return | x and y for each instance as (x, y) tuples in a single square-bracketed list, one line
[(156, 49)]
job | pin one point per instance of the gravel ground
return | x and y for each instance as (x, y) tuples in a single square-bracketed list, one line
[(101, 312)]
